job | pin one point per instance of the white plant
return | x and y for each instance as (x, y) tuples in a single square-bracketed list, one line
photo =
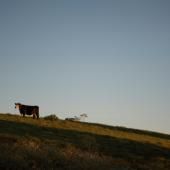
[(83, 116), (76, 118)]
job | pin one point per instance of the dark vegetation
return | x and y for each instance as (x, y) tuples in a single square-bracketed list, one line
[(50, 143), (51, 117)]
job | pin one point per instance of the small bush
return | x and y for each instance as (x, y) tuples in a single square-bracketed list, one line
[(51, 117)]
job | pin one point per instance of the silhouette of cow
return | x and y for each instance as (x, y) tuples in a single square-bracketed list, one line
[(28, 110)]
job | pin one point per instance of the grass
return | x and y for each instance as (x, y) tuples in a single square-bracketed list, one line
[(58, 144)]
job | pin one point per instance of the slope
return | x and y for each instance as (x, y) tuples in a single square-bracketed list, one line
[(58, 144)]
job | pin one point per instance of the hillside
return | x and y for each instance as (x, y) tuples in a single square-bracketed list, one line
[(65, 145)]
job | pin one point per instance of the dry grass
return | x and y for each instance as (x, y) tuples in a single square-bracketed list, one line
[(44, 144)]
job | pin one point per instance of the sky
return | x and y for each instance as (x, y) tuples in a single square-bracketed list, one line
[(109, 59)]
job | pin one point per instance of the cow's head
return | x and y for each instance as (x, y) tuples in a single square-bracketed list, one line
[(17, 105)]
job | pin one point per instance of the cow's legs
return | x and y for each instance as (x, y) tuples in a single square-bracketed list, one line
[(33, 115), (37, 115)]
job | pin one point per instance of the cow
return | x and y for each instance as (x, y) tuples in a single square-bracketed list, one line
[(28, 110)]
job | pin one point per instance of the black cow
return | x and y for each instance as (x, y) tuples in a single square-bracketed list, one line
[(28, 110)]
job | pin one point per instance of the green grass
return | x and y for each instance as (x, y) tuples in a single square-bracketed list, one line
[(58, 144)]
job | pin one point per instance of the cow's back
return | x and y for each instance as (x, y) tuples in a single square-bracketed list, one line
[(29, 110)]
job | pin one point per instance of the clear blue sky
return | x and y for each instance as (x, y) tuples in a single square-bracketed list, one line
[(109, 59)]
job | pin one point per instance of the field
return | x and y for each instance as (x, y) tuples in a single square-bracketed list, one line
[(66, 145)]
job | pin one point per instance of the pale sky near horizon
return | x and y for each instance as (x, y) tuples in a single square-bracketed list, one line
[(109, 59)]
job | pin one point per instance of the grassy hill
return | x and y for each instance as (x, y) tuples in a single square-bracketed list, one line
[(65, 145)]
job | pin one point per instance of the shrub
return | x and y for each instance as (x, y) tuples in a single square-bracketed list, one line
[(51, 117)]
